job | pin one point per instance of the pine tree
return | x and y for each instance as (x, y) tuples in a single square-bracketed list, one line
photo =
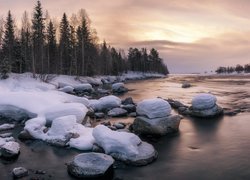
[(38, 36), (8, 43), (4, 68), (65, 50), (51, 49)]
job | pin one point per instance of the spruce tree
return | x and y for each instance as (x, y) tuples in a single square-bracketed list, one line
[(38, 36), (8, 44)]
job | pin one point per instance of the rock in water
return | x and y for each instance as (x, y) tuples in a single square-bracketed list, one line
[(119, 88), (126, 147), (157, 126), (204, 105), (127, 101), (203, 101), (10, 150), (81, 88), (19, 172), (117, 112), (91, 165), (153, 108), (186, 85), (13, 113)]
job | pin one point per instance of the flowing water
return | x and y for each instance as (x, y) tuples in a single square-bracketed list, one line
[(203, 149)]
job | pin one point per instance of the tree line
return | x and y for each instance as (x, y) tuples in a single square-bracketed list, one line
[(230, 69), (43, 46)]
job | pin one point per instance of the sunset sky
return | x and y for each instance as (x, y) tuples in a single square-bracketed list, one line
[(191, 35)]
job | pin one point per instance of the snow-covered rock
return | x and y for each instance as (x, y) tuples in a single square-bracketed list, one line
[(63, 85), (35, 127), (153, 108), (4, 127), (91, 165), (67, 89), (66, 109), (117, 112), (157, 126), (122, 145), (13, 113), (10, 150), (19, 172), (81, 88), (204, 105), (105, 103), (203, 101), (119, 88)]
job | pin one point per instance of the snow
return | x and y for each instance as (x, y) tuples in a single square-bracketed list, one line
[(123, 143), (59, 110), (107, 102), (36, 127), (203, 101), (12, 147), (153, 108), (67, 89), (83, 87)]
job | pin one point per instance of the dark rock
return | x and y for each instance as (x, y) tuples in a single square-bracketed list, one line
[(13, 113), (175, 104), (117, 112), (119, 125), (99, 115), (19, 172), (107, 123), (25, 135), (230, 112), (129, 107), (206, 113), (186, 85), (97, 149), (113, 128), (119, 88), (127, 101), (157, 126), (40, 172), (91, 165), (133, 114)]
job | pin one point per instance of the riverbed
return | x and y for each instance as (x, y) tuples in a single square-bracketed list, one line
[(203, 149)]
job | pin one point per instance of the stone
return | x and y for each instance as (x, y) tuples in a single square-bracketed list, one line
[(81, 88), (119, 125), (117, 112), (129, 107), (175, 104), (91, 165), (119, 88), (158, 126), (186, 85), (206, 113), (127, 101), (105, 103), (13, 113), (19, 172), (124, 146), (10, 150), (99, 115), (153, 108), (133, 114), (6, 126)]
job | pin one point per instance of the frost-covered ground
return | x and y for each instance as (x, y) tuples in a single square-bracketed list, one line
[(64, 111)]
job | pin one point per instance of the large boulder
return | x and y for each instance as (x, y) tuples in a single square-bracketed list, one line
[(124, 146), (204, 105), (91, 165), (157, 126), (119, 88), (153, 108), (13, 113)]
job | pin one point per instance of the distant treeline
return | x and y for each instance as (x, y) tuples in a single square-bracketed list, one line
[(44, 46), (230, 69)]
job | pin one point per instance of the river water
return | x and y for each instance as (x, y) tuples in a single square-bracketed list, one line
[(203, 149)]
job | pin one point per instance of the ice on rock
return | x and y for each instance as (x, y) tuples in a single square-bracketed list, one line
[(153, 108), (203, 101), (77, 109), (122, 143)]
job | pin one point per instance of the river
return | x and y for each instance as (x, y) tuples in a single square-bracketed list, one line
[(203, 149)]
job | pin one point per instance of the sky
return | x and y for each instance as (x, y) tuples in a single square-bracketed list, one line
[(192, 36)]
